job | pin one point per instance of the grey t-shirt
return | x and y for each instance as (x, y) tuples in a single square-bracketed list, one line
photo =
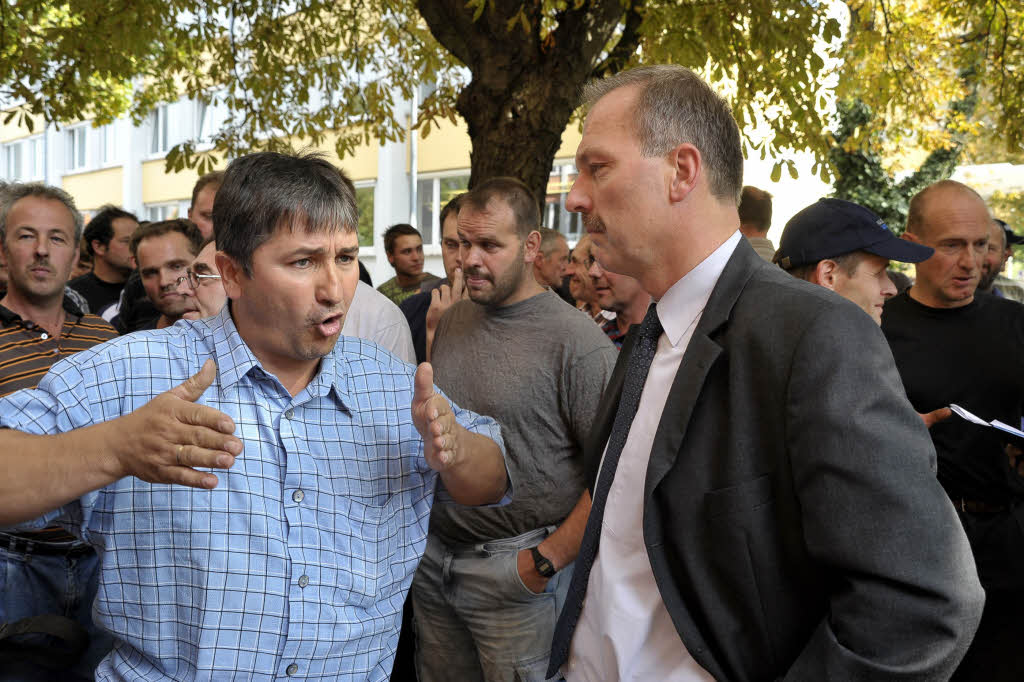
[(538, 367)]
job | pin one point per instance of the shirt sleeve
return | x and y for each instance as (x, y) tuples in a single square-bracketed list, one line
[(485, 426), (57, 405)]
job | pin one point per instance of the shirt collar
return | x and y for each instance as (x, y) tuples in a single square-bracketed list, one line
[(235, 359), (685, 300)]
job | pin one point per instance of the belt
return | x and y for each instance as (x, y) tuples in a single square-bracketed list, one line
[(976, 507), (19, 544)]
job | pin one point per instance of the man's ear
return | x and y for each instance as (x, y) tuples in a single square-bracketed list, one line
[(231, 274), (686, 167), (910, 237), (532, 247), (98, 248), (825, 274)]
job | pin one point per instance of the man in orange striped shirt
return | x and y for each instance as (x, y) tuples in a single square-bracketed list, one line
[(49, 573)]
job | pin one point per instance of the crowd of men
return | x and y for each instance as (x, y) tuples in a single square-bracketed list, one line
[(672, 452)]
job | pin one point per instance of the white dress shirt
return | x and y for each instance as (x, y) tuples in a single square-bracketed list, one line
[(373, 316), (624, 631)]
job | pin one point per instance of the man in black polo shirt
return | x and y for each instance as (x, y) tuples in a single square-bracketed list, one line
[(39, 232), (108, 238), (954, 345)]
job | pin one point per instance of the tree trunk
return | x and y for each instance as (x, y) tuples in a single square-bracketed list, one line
[(524, 88)]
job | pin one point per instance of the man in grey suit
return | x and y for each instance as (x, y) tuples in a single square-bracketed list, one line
[(764, 497)]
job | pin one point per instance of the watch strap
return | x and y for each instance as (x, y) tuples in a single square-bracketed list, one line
[(542, 563)]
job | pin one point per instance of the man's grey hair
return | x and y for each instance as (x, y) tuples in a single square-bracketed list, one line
[(675, 106), (549, 239), (17, 191)]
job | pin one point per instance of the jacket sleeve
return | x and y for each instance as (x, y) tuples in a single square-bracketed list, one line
[(905, 599)]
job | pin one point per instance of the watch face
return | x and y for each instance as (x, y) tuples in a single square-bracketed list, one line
[(542, 563)]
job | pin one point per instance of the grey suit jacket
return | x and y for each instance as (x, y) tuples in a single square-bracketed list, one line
[(791, 512)]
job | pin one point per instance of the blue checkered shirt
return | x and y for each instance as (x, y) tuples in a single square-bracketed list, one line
[(298, 563)]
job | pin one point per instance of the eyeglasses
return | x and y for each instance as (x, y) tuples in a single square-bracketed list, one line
[(194, 280)]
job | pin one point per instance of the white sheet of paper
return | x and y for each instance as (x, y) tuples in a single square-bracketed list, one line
[(1006, 427), (968, 415)]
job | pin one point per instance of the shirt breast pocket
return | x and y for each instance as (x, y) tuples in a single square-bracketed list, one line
[(368, 539)]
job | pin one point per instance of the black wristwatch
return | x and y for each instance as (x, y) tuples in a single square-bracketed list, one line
[(542, 563)]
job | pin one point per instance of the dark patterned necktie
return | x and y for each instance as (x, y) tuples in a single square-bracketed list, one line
[(633, 387)]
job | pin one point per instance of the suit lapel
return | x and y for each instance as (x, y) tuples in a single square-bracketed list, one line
[(700, 355)]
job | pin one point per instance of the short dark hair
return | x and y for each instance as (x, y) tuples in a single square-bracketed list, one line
[(675, 106), (847, 262), (756, 208), (514, 193), (451, 207), (101, 227), (213, 178), (162, 227), (396, 231), (17, 191), (266, 191)]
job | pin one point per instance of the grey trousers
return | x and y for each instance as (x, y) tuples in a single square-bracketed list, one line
[(476, 620)]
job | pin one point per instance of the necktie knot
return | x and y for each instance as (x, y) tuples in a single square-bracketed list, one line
[(651, 327)]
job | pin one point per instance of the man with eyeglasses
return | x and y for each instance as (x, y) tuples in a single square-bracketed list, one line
[(202, 280), (164, 250)]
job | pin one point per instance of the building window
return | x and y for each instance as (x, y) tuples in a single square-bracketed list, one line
[(24, 160), (158, 136), (364, 201), (556, 216), (432, 195), (155, 212), (210, 119), (108, 143), (75, 147), (13, 161)]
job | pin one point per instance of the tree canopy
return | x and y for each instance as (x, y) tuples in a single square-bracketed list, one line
[(291, 70)]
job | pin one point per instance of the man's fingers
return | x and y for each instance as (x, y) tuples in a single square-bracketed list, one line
[(190, 477), (193, 387), (423, 384), (207, 417), (936, 416), (195, 457), (458, 284)]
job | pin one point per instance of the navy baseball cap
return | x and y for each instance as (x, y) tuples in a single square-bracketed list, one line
[(833, 227), (1011, 237)]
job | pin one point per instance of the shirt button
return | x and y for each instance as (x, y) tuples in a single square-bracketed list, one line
[(298, 495), (303, 580), (292, 669), (289, 414)]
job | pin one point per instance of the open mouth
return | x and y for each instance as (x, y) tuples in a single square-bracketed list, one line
[(330, 326)]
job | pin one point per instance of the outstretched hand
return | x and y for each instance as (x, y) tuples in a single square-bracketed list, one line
[(434, 419), (168, 438)]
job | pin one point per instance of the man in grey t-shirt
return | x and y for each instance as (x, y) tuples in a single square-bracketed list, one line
[(488, 590)]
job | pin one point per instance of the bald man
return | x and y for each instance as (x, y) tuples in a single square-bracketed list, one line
[(955, 345)]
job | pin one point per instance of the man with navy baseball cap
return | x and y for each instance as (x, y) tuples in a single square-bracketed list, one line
[(846, 248)]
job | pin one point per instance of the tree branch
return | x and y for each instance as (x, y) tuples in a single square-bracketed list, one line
[(625, 48)]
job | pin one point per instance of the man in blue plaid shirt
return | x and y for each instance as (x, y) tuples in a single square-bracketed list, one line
[(294, 560)]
